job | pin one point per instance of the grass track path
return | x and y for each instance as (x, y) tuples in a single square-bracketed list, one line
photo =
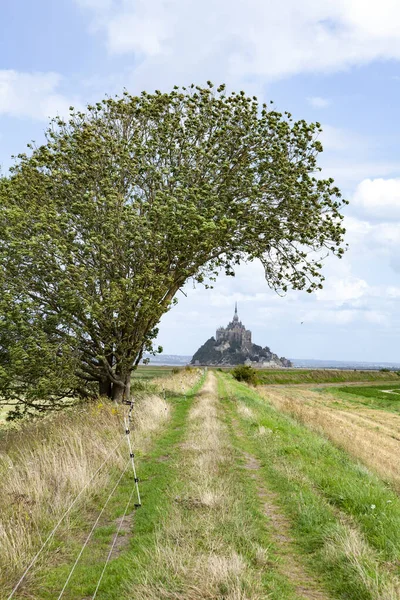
[(305, 584), (209, 543)]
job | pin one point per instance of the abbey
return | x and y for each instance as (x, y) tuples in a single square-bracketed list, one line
[(234, 333), (232, 345)]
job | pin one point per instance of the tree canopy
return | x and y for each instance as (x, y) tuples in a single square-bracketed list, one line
[(105, 222)]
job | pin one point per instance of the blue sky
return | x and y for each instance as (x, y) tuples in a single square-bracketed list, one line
[(335, 61)]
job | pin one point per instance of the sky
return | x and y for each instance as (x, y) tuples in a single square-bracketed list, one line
[(332, 61)]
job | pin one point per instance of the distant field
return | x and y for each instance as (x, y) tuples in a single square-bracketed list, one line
[(386, 397), (292, 376), (151, 372)]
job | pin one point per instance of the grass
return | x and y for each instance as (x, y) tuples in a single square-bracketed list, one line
[(152, 372), (345, 519), (209, 541), (373, 397), (297, 376), (45, 464), (369, 434), (239, 500)]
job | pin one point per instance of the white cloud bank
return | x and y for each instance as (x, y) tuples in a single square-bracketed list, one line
[(378, 199), (254, 38), (32, 95)]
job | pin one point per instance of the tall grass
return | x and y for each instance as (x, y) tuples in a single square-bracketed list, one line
[(45, 464)]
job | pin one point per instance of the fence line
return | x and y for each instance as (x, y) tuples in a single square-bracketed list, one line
[(51, 535), (92, 530)]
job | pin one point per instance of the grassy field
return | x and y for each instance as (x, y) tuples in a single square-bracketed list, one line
[(152, 372), (364, 421), (386, 397), (307, 376), (240, 501)]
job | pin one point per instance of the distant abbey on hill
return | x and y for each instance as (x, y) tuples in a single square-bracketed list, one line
[(233, 346)]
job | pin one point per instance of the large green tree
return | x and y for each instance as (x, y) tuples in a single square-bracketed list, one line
[(103, 224)]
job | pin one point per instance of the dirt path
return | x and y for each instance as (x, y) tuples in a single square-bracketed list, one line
[(304, 584)]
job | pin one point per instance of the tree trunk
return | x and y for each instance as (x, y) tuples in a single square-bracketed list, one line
[(105, 388), (122, 390), (118, 392)]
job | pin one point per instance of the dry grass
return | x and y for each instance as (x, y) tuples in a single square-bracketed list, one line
[(193, 559), (349, 542), (179, 383), (245, 411), (44, 466), (370, 435)]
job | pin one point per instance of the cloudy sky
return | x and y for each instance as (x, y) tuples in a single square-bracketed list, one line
[(334, 61)]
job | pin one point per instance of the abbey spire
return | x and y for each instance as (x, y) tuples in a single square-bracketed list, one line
[(235, 316)]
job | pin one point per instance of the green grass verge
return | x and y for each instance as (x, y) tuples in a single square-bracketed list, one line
[(345, 519), (294, 376)]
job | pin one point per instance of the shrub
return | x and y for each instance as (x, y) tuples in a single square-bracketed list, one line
[(245, 373), (175, 370)]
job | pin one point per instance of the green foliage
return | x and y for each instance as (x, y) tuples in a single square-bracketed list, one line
[(102, 225), (245, 373), (174, 371)]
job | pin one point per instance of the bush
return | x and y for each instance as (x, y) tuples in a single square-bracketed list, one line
[(175, 370), (245, 373), (188, 369), (385, 370)]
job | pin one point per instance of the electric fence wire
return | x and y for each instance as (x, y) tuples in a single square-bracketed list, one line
[(91, 531), (51, 534), (113, 544)]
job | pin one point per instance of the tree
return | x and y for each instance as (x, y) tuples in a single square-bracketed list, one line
[(104, 223)]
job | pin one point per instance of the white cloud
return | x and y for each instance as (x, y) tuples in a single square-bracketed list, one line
[(345, 317), (318, 102), (378, 198), (256, 38), (338, 291), (139, 33), (348, 172), (339, 140), (33, 95)]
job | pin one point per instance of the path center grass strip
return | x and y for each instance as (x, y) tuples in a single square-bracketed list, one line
[(345, 519)]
